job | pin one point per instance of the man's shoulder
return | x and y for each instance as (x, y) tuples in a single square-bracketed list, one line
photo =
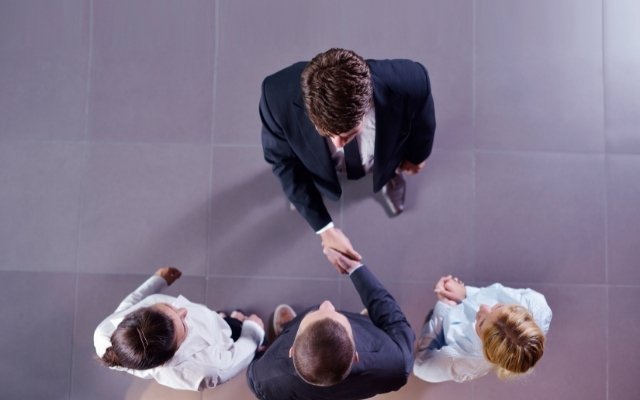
[(400, 75), (395, 66), (286, 78)]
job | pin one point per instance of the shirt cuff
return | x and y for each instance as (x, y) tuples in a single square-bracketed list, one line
[(327, 227), (355, 268), (251, 330)]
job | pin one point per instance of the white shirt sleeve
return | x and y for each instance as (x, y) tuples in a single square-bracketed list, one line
[(197, 375), (435, 365), (244, 349), (433, 327), (151, 286)]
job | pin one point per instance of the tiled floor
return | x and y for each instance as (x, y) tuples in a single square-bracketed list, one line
[(129, 139)]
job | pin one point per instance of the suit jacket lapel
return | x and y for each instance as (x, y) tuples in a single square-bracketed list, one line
[(313, 144)]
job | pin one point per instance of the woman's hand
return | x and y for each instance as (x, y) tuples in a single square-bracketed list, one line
[(169, 274), (450, 290)]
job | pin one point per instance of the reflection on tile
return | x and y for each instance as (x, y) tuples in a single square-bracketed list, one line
[(98, 296), (145, 207), (574, 351), (253, 230), (37, 309), (621, 76), (152, 72), (39, 202), (539, 75), (432, 237), (43, 74), (540, 217), (623, 219), (624, 354)]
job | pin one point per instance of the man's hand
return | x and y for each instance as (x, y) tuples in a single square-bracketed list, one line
[(450, 290), (169, 274), (333, 238), (343, 264), (409, 168)]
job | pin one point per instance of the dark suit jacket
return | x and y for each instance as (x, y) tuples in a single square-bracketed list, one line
[(300, 157), (384, 342)]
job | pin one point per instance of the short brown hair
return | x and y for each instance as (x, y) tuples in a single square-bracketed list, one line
[(337, 90), (514, 342), (323, 353)]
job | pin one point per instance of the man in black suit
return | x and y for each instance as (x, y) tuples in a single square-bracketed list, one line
[(340, 114), (328, 354)]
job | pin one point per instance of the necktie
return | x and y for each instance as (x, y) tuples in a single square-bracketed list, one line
[(353, 161)]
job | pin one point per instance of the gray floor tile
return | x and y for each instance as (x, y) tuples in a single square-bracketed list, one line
[(573, 366), (235, 389), (36, 343), (621, 76), (540, 218), (432, 237), (145, 207), (43, 74), (519, 88), (623, 219), (249, 32), (98, 297), (539, 75), (253, 231), (152, 71), (39, 205), (624, 354)]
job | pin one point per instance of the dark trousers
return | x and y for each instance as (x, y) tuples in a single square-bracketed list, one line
[(236, 327)]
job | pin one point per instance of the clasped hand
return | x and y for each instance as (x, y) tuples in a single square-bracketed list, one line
[(338, 249), (450, 290)]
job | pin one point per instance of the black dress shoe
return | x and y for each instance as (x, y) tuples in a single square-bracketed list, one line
[(393, 194)]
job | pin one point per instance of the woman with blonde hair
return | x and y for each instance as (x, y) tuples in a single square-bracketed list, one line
[(472, 331)]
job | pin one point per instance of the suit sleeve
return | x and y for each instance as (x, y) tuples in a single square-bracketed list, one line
[(385, 313), (295, 179), (423, 123)]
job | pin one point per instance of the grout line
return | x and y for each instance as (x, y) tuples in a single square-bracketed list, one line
[(216, 45), (473, 141), (550, 152), (209, 231), (266, 277), (239, 145), (605, 204), (81, 197)]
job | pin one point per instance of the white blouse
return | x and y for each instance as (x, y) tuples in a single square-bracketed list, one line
[(207, 357), (449, 347)]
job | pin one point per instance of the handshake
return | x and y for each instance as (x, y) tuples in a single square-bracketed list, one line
[(450, 290)]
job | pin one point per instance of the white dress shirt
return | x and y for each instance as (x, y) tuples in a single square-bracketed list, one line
[(207, 357), (366, 144), (449, 347)]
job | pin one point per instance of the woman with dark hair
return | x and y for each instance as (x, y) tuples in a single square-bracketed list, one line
[(174, 341)]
